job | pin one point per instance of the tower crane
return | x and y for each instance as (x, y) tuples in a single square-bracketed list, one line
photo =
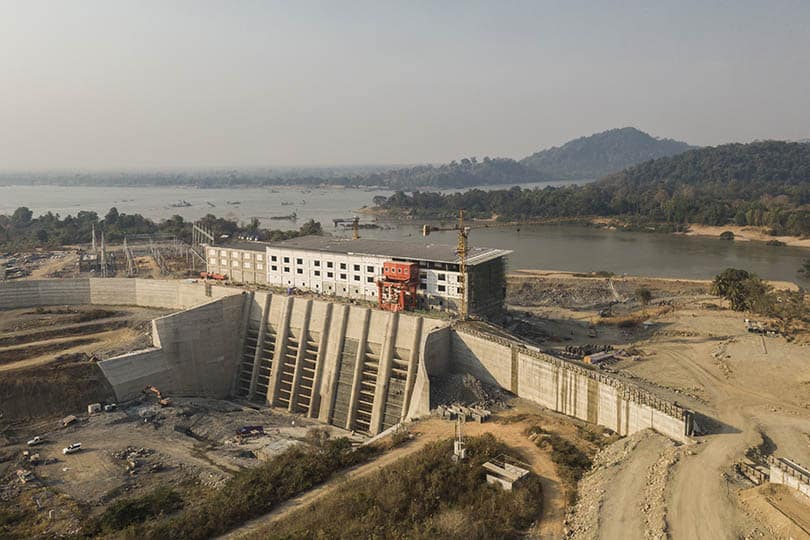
[(462, 249)]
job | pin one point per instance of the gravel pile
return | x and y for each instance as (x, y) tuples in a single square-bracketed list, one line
[(464, 389)]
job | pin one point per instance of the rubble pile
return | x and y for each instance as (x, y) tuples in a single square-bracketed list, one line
[(464, 389)]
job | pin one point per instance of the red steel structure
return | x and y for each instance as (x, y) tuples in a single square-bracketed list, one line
[(397, 290)]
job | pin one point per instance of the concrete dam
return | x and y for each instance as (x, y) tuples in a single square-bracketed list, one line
[(354, 367)]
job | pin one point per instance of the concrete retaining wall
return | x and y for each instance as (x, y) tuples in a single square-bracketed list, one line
[(565, 387), (112, 291), (195, 354), (791, 474)]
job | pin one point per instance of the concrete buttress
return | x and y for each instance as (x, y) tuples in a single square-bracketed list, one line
[(315, 404), (281, 347), (383, 374), (299, 357), (358, 370), (257, 358)]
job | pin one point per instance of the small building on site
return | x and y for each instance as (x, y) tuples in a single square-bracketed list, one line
[(504, 472), (362, 269)]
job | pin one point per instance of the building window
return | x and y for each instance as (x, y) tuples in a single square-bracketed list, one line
[(259, 257), (274, 268), (423, 286), (460, 278), (299, 270), (299, 261), (342, 276), (317, 272), (259, 266), (234, 253), (316, 263), (422, 275), (343, 266), (212, 260), (442, 277), (441, 288), (247, 265), (370, 269), (460, 290), (273, 258), (223, 253), (212, 252), (223, 262), (330, 275), (286, 259), (287, 269), (357, 278), (235, 264), (356, 267), (330, 264), (370, 279)]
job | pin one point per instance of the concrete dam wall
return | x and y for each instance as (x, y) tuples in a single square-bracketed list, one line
[(110, 291), (352, 367), (195, 353), (357, 368), (566, 387)]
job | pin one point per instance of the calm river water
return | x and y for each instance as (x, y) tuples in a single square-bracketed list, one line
[(558, 247)]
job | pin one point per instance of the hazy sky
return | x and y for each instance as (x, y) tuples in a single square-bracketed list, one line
[(114, 84)]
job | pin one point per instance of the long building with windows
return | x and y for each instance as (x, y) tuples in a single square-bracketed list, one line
[(353, 268)]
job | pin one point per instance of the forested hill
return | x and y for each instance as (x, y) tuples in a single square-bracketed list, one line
[(601, 154), (761, 184)]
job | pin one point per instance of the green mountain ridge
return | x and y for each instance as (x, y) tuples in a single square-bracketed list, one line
[(602, 153)]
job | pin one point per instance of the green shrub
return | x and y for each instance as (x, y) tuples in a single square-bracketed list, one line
[(122, 514), (423, 496)]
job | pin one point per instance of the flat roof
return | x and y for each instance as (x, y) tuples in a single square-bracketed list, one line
[(390, 248), (244, 245)]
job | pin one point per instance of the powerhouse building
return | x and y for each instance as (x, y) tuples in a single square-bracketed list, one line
[(353, 268)]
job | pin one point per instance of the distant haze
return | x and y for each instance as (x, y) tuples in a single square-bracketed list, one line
[(151, 84)]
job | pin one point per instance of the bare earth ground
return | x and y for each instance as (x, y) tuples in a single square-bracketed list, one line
[(189, 444), (750, 386)]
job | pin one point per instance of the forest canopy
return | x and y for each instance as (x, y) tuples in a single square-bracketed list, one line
[(760, 184)]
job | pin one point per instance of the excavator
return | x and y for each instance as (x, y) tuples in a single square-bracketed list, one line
[(164, 401)]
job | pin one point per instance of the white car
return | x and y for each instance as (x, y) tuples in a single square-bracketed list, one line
[(36, 440), (72, 449)]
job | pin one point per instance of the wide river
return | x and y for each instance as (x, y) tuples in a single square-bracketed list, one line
[(558, 247)]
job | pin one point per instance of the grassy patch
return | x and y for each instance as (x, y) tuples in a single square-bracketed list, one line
[(423, 496), (253, 492), (571, 461), (122, 514)]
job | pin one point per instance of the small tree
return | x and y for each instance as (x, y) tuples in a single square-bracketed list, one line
[(643, 295), (743, 289)]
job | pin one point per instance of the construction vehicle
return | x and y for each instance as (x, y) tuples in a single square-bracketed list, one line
[(66, 421), (213, 275), (72, 448), (246, 432), (164, 401)]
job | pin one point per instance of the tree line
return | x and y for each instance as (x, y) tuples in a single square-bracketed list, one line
[(21, 230)]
